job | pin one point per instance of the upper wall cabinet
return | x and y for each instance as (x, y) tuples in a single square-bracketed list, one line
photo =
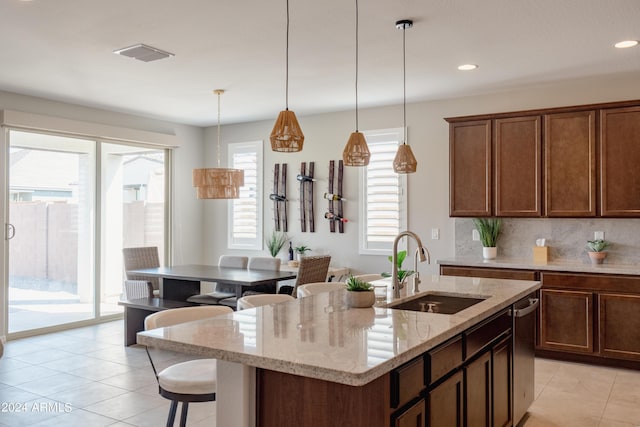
[(518, 152), (570, 164), (551, 163), (620, 162), (470, 168)]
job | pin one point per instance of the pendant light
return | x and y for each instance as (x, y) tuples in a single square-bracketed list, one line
[(405, 161), (218, 183), (286, 135), (356, 152)]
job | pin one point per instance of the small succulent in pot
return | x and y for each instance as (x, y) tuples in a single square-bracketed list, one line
[(596, 249), (359, 293), (356, 285)]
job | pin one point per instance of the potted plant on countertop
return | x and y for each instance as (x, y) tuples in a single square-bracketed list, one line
[(275, 242), (300, 250), (489, 230), (359, 293), (402, 274), (596, 250)]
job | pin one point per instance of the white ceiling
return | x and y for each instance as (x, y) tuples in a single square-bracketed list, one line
[(62, 50)]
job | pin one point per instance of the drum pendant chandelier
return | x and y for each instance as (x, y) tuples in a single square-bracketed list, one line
[(356, 152), (218, 183), (286, 135), (404, 162)]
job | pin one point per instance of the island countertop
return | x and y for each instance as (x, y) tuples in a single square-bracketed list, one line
[(320, 337)]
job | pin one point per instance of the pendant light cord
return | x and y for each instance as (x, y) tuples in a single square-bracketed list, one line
[(218, 93), (356, 65), (286, 91), (404, 84)]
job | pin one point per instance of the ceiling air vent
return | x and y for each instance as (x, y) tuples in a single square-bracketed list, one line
[(143, 52)]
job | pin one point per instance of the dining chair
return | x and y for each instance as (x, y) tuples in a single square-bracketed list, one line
[(369, 277), (311, 269), (191, 381), (318, 287), (257, 263), (251, 301), (142, 257), (221, 290), (135, 289)]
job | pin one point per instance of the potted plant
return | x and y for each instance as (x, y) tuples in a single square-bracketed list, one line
[(275, 242), (489, 230), (596, 250), (300, 250), (359, 293), (402, 274)]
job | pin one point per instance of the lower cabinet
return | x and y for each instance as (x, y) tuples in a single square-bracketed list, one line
[(445, 402), (502, 361), (566, 320), (415, 416), (619, 326), (478, 379)]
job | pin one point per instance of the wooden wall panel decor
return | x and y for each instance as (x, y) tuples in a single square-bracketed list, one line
[(334, 195), (279, 197), (306, 180)]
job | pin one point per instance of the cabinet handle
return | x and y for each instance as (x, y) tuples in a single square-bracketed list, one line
[(521, 312)]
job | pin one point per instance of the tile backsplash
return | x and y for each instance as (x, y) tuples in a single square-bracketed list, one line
[(566, 238)]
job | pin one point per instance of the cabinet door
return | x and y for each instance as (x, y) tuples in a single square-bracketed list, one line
[(518, 153), (501, 372), (445, 403), (570, 164), (470, 168), (566, 320), (619, 160), (415, 416), (478, 391), (620, 326)]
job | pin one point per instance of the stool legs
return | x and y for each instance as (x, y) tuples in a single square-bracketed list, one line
[(172, 413), (183, 416)]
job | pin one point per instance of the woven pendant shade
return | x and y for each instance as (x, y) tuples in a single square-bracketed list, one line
[(405, 161), (356, 152), (218, 183), (286, 136)]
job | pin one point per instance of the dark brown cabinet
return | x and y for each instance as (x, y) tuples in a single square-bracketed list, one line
[(518, 151), (619, 325), (445, 403), (470, 168), (566, 320), (415, 416), (619, 160), (570, 164), (478, 391), (551, 162), (501, 380)]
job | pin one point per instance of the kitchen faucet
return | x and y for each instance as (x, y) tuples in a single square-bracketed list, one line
[(420, 250), (394, 273)]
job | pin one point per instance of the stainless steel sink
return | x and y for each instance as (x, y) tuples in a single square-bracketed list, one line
[(438, 303)]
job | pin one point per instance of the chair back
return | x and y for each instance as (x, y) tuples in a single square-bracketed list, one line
[(264, 263), (312, 269), (251, 301), (134, 289), (233, 261), (174, 316), (138, 258), (369, 277), (318, 287)]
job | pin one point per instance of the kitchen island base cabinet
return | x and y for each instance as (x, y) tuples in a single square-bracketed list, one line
[(445, 402), (478, 391), (501, 379)]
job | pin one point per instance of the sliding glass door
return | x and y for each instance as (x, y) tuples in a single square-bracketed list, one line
[(73, 205)]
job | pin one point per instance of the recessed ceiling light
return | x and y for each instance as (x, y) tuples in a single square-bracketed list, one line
[(467, 67), (626, 43)]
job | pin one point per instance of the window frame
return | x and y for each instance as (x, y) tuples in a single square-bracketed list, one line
[(365, 247), (257, 242)]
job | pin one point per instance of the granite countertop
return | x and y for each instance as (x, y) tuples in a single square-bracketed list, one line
[(319, 337), (559, 265)]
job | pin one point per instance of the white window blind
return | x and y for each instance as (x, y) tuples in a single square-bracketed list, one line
[(382, 198), (245, 213)]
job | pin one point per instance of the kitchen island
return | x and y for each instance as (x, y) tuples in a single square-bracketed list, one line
[(315, 359)]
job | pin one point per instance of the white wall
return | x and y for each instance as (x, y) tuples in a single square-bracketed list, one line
[(187, 213), (326, 135)]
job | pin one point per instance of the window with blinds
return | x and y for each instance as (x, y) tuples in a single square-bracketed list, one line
[(382, 194), (245, 213)]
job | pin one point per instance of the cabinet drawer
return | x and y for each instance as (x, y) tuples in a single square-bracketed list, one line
[(489, 273), (407, 382), (444, 359), (483, 334)]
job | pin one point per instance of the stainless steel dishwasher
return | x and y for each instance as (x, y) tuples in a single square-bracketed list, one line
[(524, 334)]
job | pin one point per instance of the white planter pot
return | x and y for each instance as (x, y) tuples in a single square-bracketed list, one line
[(489, 253), (361, 299)]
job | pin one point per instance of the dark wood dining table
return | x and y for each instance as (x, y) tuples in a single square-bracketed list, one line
[(179, 282), (182, 281)]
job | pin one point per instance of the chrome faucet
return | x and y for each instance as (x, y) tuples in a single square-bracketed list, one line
[(422, 251), (394, 273)]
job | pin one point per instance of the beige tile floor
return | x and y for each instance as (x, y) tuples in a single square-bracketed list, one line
[(86, 377)]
